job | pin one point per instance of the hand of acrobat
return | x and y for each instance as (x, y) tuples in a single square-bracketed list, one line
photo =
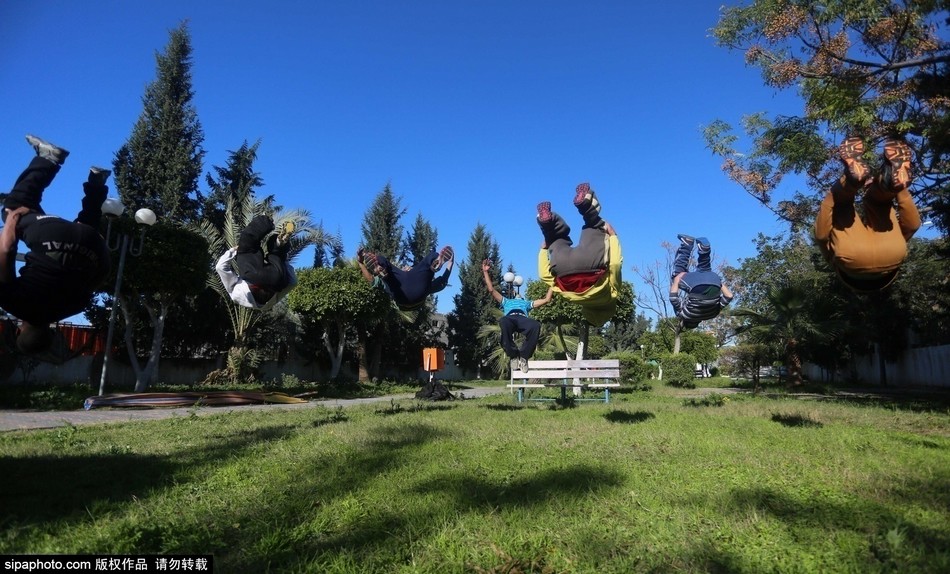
[(486, 265), (8, 238)]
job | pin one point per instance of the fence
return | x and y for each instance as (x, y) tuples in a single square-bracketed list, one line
[(923, 367)]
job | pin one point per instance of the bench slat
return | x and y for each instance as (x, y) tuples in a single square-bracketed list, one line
[(558, 385), (575, 364), (568, 374)]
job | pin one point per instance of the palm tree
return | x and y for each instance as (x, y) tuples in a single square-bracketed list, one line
[(791, 319), (239, 211)]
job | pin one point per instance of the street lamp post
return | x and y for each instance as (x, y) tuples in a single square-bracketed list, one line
[(122, 243), (514, 283)]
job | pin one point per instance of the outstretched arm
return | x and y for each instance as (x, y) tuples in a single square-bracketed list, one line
[(363, 270), (675, 291), (727, 295), (440, 282), (544, 300), (486, 267), (8, 245)]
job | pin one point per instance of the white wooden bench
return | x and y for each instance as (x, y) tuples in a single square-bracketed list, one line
[(605, 374)]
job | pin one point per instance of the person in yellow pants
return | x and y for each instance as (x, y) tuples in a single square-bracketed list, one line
[(867, 251)]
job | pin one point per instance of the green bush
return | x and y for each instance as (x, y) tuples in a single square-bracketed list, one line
[(713, 372), (679, 370), (633, 369)]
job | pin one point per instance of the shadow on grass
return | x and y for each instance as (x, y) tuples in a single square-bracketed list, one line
[(501, 407), (51, 487), (44, 488), (468, 492), (275, 542), (396, 408), (795, 420), (627, 417), (869, 520)]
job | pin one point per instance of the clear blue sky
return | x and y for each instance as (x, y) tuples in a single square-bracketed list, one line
[(473, 111)]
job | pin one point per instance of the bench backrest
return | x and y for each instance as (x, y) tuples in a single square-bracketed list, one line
[(569, 369)]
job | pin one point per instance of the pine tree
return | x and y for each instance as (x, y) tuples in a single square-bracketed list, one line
[(159, 166), (236, 180), (421, 240), (473, 303), (382, 232)]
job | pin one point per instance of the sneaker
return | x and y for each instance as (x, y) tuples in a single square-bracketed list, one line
[(544, 212), (98, 175), (286, 232), (585, 199), (372, 263), (445, 255), (702, 244), (895, 167), (856, 170), (46, 150), (686, 240), (522, 364)]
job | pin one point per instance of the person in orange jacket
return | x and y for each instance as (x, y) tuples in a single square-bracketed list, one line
[(867, 251)]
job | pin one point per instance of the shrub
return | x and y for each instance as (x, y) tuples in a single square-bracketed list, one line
[(633, 369), (679, 370)]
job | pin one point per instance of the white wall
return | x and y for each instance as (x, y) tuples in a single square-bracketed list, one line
[(923, 366), (86, 369)]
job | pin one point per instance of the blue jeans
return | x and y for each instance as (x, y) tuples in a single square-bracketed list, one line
[(681, 262), (409, 287)]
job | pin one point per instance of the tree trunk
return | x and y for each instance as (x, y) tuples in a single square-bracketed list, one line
[(676, 339), (375, 359), (581, 349), (882, 364), (158, 331), (756, 365), (794, 364), (336, 354), (563, 343), (129, 342)]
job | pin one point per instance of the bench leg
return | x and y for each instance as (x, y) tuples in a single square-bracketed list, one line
[(563, 394), (606, 395), (520, 394)]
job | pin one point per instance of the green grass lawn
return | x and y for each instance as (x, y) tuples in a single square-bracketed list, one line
[(658, 481)]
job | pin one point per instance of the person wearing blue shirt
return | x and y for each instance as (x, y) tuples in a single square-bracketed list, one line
[(696, 295), (515, 320)]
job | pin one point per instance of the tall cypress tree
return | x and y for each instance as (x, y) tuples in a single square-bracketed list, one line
[(158, 168), (160, 164), (236, 180), (382, 231), (473, 303), (420, 240)]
